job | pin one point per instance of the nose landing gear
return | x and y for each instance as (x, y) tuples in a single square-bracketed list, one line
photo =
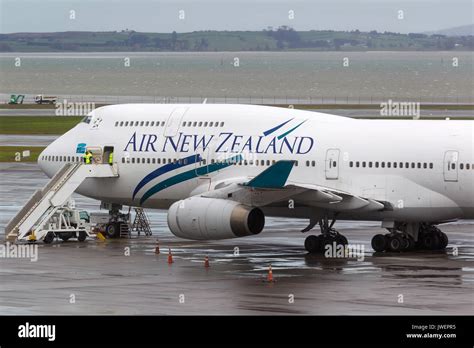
[(328, 236)]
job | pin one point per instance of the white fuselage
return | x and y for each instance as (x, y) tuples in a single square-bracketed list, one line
[(424, 169)]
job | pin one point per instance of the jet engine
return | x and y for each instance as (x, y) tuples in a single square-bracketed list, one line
[(202, 218)]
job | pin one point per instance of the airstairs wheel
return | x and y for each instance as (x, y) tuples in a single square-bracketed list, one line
[(82, 236), (48, 239)]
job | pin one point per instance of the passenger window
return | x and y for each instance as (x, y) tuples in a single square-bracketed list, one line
[(467, 166), (363, 164), (413, 164), (383, 164), (222, 124), (211, 124), (162, 123), (307, 163), (121, 124), (194, 124), (200, 124), (141, 123), (123, 159), (147, 123), (152, 123), (116, 123), (184, 124), (376, 164), (351, 164), (313, 163), (205, 124), (357, 164), (158, 160), (370, 164), (431, 165), (148, 160), (419, 165), (425, 165), (394, 164), (133, 159)]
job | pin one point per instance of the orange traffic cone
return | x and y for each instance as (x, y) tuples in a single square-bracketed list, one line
[(170, 257), (270, 274), (206, 261), (157, 248)]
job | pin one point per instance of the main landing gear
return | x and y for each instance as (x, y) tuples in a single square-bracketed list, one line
[(328, 236), (402, 238)]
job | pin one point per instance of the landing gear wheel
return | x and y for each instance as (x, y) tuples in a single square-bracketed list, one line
[(312, 244), (443, 240), (82, 236), (379, 242), (405, 243), (411, 243), (395, 243), (48, 239), (430, 241), (112, 230), (340, 239)]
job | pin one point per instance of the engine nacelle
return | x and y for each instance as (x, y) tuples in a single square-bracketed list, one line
[(201, 218)]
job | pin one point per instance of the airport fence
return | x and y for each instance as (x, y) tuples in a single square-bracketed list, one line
[(264, 100)]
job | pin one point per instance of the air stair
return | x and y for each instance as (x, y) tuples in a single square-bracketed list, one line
[(141, 222), (53, 196)]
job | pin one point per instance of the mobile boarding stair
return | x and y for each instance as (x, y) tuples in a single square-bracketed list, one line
[(31, 222)]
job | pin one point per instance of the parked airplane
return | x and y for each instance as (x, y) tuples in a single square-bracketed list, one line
[(220, 169)]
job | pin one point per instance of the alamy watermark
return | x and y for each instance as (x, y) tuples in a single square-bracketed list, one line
[(67, 108), (19, 251), (341, 251), (393, 108)]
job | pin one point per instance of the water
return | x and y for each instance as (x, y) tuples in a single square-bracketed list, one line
[(425, 76)]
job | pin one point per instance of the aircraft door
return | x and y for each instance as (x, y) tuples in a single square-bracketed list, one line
[(450, 166), (332, 164), (174, 121)]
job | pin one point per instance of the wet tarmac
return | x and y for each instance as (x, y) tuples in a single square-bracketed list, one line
[(127, 277)]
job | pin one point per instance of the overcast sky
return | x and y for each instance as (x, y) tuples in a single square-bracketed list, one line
[(163, 15)]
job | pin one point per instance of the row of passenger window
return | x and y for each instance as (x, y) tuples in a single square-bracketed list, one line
[(162, 124), (61, 158), (139, 123), (152, 160), (202, 124), (370, 164)]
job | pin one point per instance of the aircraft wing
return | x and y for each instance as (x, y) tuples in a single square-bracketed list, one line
[(272, 187)]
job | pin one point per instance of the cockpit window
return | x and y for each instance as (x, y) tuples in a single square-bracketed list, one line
[(87, 119)]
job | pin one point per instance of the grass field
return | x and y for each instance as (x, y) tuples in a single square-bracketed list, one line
[(15, 153), (37, 124)]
